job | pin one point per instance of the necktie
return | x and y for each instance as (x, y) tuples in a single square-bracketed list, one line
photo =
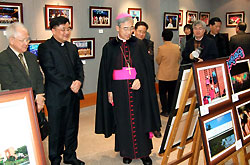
[(22, 61)]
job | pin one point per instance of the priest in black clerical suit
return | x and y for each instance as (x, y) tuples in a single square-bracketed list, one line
[(18, 67), (64, 76), (125, 95)]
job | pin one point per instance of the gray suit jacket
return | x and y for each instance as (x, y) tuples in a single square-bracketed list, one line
[(241, 39), (13, 75)]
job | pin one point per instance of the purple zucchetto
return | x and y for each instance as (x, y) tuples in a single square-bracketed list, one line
[(123, 15)]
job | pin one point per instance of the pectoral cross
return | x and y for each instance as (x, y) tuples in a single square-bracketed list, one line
[(129, 69)]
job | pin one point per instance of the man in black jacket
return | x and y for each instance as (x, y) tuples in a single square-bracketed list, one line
[(241, 39), (64, 76), (221, 41), (140, 33), (200, 48)]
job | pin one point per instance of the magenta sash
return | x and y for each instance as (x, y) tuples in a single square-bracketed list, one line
[(124, 74)]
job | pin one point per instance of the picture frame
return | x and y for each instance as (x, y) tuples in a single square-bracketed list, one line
[(212, 84), (239, 76), (18, 117), (179, 134), (233, 18), (191, 16), (220, 134), (180, 17), (242, 109), (33, 46), (136, 14), (205, 17), (180, 38), (179, 90), (10, 13), (171, 21), (86, 47), (52, 11), (100, 17)]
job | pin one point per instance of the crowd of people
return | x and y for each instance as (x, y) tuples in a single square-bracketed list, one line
[(127, 103)]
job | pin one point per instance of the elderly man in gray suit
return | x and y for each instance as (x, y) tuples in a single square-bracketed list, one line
[(18, 67)]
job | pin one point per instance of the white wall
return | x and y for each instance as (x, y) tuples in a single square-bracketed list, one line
[(152, 13), (193, 5), (220, 7)]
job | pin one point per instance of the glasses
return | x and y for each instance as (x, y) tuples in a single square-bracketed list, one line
[(64, 29), (27, 40), (127, 28)]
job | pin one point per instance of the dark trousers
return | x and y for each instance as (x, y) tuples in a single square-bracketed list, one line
[(166, 92), (64, 124)]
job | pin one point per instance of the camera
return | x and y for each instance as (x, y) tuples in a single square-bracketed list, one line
[(196, 53)]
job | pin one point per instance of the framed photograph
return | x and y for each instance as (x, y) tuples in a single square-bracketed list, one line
[(33, 46), (212, 83), (240, 77), (233, 18), (100, 17), (180, 17), (179, 134), (52, 11), (219, 134), (21, 140), (243, 116), (171, 21), (205, 17), (181, 83), (136, 14), (10, 13), (191, 17), (86, 47), (180, 38)]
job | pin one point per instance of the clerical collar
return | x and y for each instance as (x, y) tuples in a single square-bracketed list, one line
[(121, 38), (197, 39), (212, 34), (59, 43)]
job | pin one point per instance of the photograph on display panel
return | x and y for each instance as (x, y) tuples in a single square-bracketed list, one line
[(171, 21), (86, 47), (233, 18), (181, 83), (211, 80), (10, 13), (191, 16), (240, 77), (33, 46), (20, 138), (180, 17), (205, 17), (219, 134), (243, 116), (100, 17), (136, 14), (52, 11)]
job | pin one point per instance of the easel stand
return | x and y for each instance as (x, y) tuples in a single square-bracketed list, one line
[(193, 155)]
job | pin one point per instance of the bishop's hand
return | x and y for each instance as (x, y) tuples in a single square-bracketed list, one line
[(110, 98), (136, 84)]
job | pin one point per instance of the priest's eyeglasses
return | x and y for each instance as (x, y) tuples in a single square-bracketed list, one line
[(65, 29)]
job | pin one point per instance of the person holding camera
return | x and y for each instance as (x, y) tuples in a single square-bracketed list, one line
[(200, 47)]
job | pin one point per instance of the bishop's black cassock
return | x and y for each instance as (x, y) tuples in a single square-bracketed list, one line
[(135, 112)]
